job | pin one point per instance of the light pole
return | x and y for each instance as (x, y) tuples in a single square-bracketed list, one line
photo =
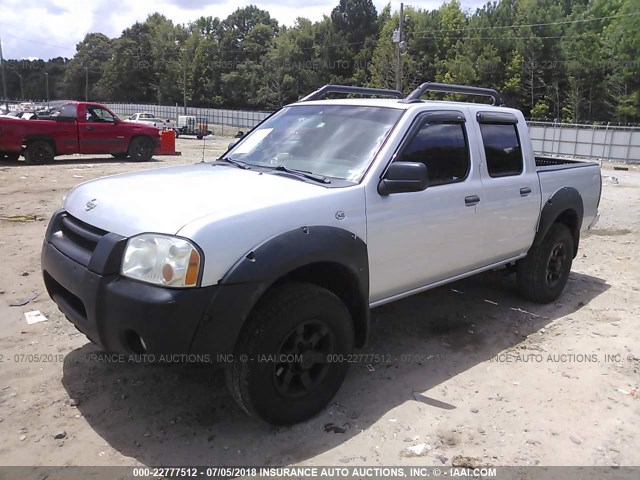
[(4, 80), (46, 74), (21, 89), (399, 53)]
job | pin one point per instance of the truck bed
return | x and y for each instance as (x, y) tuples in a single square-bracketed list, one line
[(557, 173), (556, 163)]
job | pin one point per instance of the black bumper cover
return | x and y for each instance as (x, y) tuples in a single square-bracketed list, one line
[(112, 310)]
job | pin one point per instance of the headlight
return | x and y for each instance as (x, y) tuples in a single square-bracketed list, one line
[(161, 260)]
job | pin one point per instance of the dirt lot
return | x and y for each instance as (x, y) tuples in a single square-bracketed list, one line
[(476, 371)]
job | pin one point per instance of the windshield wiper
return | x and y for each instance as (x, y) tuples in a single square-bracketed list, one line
[(302, 173), (237, 163)]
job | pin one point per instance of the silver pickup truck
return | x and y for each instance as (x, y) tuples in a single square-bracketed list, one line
[(270, 258)]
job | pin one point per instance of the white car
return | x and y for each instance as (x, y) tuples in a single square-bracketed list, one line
[(270, 258)]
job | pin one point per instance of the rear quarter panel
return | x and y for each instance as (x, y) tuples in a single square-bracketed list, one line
[(584, 177), (16, 132)]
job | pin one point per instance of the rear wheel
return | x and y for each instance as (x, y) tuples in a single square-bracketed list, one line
[(543, 273), (288, 361), (199, 137), (39, 152), (141, 149)]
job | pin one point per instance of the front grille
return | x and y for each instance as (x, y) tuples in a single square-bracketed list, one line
[(64, 297), (75, 238), (79, 232)]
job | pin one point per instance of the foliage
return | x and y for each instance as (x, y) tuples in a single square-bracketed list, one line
[(575, 60)]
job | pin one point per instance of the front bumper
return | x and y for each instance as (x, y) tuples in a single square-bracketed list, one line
[(119, 314)]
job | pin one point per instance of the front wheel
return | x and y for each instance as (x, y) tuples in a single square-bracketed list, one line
[(543, 273), (291, 357), (141, 149)]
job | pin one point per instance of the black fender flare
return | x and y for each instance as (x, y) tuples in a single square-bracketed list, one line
[(567, 199), (290, 252)]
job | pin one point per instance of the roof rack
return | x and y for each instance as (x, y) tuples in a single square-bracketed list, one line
[(446, 88), (324, 91)]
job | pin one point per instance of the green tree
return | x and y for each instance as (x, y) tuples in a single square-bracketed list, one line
[(355, 27), (92, 55)]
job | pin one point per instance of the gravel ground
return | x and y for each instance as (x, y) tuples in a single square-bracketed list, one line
[(474, 370)]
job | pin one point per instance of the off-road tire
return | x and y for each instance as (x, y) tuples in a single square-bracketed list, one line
[(141, 149), (292, 319), (543, 273), (39, 152)]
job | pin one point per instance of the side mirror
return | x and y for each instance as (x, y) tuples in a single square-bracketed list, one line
[(116, 120), (231, 145), (404, 177)]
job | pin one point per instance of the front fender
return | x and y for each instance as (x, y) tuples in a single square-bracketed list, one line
[(245, 283)]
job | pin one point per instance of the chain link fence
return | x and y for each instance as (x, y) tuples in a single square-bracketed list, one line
[(600, 142), (221, 121)]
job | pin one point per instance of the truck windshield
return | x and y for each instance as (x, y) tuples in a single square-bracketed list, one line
[(338, 141)]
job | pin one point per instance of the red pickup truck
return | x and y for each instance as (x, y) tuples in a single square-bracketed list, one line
[(76, 127)]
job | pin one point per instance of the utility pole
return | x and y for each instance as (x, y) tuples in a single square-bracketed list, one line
[(4, 80), (46, 74), (86, 84), (184, 80), (183, 50), (399, 58), (21, 89)]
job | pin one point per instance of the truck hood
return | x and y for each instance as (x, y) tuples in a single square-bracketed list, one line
[(166, 199)]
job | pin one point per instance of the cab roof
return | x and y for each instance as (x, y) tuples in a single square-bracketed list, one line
[(400, 105)]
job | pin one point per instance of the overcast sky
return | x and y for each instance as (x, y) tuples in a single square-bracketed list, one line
[(52, 28)]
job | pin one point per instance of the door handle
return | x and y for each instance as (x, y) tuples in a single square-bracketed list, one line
[(524, 191), (89, 128), (471, 200)]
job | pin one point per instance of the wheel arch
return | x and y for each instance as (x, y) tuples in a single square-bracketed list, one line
[(341, 281), (330, 257), (565, 207), (139, 135), (29, 139)]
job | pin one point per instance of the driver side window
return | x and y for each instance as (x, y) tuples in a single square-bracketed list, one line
[(96, 114), (442, 147)]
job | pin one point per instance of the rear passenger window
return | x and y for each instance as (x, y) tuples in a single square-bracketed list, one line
[(442, 147), (502, 149)]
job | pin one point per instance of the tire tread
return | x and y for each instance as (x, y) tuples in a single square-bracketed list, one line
[(531, 284), (274, 304)]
